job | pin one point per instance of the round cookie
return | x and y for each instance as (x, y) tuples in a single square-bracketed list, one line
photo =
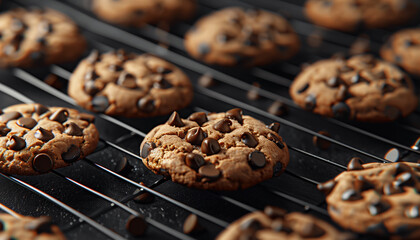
[(28, 228), (234, 36), (218, 151), (140, 12), (377, 198), (353, 15), (35, 139), (361, 88), (38, 37), (129, 85), (275, 223), (402, 49)]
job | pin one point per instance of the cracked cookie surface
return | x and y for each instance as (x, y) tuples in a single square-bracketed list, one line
[(234, 36), (218, 151), (38, 37), (35, 139), (129, 85), (361, 88)]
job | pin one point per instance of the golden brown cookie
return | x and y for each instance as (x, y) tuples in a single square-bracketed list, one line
[(234, 36), (361, 88), (219, 151), (129, 85), (381, 199), (35, 139), (38, 37)]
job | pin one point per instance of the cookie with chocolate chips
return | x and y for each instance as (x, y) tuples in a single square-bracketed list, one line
[(130, 85), (381, 199), (218, 151), (361, 88), (247, 37), (403, 49), (140, 12), (28, 228), (354, 15), (38, 37), (276, 223), (35, 139)]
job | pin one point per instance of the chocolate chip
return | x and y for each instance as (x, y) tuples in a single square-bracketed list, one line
[(386, 88), (256, 159), (253, 93), (310, 102), (206, 80), (191, 224), (303, 88), (392, 112), (42, 163), (251, 224), (355, 79), (73, 129), (17, 25), (351, 195), (127, 80), (146, 105), (26, 122), (93, 56), (164, 70), (5, 117), (342, 93), (341, 110), (175, 120), (40, 109), (136, 226), (274, 127), (45, 27), (280, 226), (277, 169), (278, 108), (42, 41), (72, 154), (91, 75), (223, 125), (252, 40), (249, 140), (309, 230), (2, 227), (392, 155), (355, 164), (203, 48), (224, 38), (378, 229), (195, 136), (37, 56), (115, 68), (43, 135), (327, 187), (100, 103), (40, 225), (162, 83), (274, 212), (194, 161), (16, 143), (91, 88), (405, 179), (122, 165), (209, 171), (333, 82), (408, 43), (276, 140), (397, 59), (378, 207), (210, 146), (4, 130), (60, 116), (412, 211), (235, 114), (320, 142), (199, 117), (147, 147), (390, 189), (121, 54), (86, 117), (143, 198)]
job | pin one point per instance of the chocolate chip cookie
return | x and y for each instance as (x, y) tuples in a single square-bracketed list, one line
[(140, 12), (28, 228), (218, 151), (35, 139), (361, 88), (402, 49), (235, 36), (377, 198), (353, 15), (38, 37), (275, 223), (129, 85)]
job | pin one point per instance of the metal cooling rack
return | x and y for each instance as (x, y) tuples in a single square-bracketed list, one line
[(92, 200)]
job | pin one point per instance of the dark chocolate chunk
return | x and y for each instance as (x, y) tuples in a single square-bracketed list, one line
[(16, 143), (277, 169), (91, 75), (127, 80), (146, 105), (392, 112), (405, 179), (122, 165), (199, 117), (100, 103), (175, 120), (147, 147), (342, 93), (397, 59), (210, 146), (378, 229), (401, 167), (276, 140), (378, 207), (390, 189), (408, 43), (60, 116), (412, 212), (91, 88), (310, 102), (194, 161), (235, 114), (251, 224), (164, 70), (5, 117), (209, 171), (275, 127), (303, 88), (351, 195), (191, 224), (40, 225), (249, 140), (122, 55), (223, 125), (341, 110), (17, 25), (42, 163), (26, 122), (320, 142), (355, 79), (136, 225), (278, 108), (355, 164), (195, 136), (40, 109), (206, 80), (252, 40), (256, 159), (115, 68), (333, 82), (42, 41), (93, 56), (309, 230), (393, 155), (37, 56), (43, 135), (274, 212), (4, 131), (73, 129), (327, 187), (162, 83), (72, 154), (280, 226), (386, 88), (203, 48), (45, 27), (144, 197), (224, 37)]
